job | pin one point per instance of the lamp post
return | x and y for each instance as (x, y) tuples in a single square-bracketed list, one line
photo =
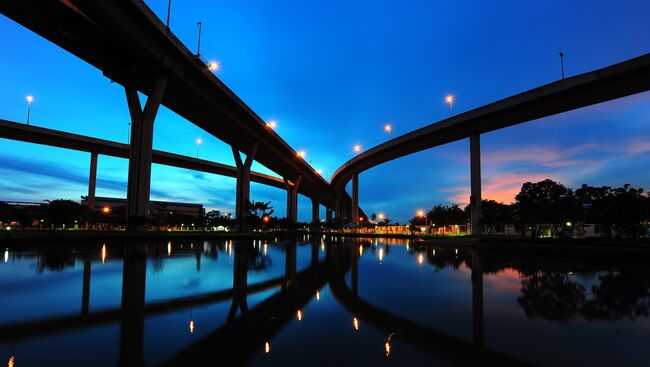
[(562, 63), (450, 101), (198, 46), (426, 219), (198, 142), (29, 107)]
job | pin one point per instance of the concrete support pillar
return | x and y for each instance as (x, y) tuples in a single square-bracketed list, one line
[(355, 199), (92, 181), (292, 198), (315, 211), (475, 169), (337, 206), (477, 299), (139, 180), (243, 187)]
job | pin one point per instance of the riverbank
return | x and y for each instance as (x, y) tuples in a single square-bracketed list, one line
[(507, 243)]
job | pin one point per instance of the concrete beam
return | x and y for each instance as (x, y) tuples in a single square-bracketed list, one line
[(475, 171), (139, 180)]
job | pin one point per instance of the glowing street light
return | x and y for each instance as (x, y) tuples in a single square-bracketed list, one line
[(106, 210), (198, 142), (266, 219), (381, 216), (357, 148), (388, 128), (450, 101), (319, 171), (302, 154), (420, 213), (213, 66), (29, 107), (272, 124)]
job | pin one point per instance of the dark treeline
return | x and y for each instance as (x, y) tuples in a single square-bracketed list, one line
[(621, 211), (68, 214)]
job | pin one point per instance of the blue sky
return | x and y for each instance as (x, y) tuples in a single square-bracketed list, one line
[(332, 74)]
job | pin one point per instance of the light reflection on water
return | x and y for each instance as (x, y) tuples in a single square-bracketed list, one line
[(261, 303)]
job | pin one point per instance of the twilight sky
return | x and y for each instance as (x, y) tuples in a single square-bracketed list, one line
[(332, 74)]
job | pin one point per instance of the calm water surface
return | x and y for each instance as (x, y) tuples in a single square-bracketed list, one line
[(319, 302)]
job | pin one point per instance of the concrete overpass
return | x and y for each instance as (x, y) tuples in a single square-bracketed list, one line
[(131, 46), (55, 138), (612, 82)]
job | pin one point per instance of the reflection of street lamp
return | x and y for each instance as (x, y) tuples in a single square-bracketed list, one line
[(450, 101), (29, 107)]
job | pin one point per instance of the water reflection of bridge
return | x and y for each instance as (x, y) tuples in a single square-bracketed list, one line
[(246, 330)]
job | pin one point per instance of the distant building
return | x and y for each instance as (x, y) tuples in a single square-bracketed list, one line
[(160, 209)]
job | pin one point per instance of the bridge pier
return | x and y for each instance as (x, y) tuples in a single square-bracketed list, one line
[(475, 172), (243, 187), (92, 181), (315, 212), (139, 180), (292, 198), (337, 206), (355, 198)]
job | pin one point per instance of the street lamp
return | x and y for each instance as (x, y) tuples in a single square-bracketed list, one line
[(302, 154), (357, 148), (29, 107), (272, 124), (426, 220), (450, 101), (319, 171), (213, 65), (198, 142), (388, 128)]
